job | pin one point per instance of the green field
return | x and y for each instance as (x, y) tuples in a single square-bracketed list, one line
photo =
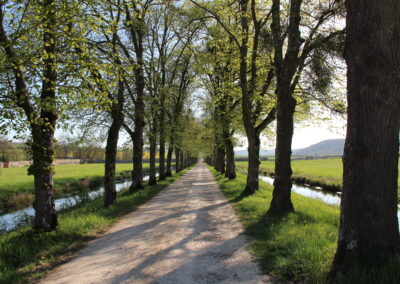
[(298, 246), (326, 172), (16, 187)]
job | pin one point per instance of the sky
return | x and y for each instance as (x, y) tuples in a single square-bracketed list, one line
[(305, 136)]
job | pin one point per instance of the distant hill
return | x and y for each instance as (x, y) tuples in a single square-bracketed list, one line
[(332, 147)]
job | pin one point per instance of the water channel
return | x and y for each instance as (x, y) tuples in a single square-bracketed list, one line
[(314, 193), (11, 221)]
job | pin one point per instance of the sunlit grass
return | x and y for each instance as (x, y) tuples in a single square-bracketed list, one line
[(17, 179), (16, 187), (323, 172), (298, 246), (25, 254)]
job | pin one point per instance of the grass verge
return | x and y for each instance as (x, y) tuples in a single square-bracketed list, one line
[(26, 255), (298, 246)]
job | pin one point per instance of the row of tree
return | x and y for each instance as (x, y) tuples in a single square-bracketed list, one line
[(265, 62), (133, 65), (103, 66), (276, 59)]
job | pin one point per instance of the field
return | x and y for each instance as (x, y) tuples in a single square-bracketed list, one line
[(326, 173), (298, 246), (16, 187)]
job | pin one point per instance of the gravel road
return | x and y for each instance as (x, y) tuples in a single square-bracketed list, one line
[(186, 234)]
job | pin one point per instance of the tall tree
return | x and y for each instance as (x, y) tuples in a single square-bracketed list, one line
[(289, 66), (108, 74), (368, 221), (258, 112), (135, 23), (220, 73), (37, 40)]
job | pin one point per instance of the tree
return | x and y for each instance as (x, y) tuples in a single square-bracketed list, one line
[(170, 32), (162, 41), (36, 39), (244, 22), (181, 91), (107, 42), (135, 17), (220, 73), (289, 67), (368, 221)]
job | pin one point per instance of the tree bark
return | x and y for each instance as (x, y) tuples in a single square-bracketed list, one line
[(168, 172), (153, 150), (230, 172), (177, 160), (220, 159), (215, 158), (368, 222), (42, 170), (252, 183), (182, 160), (137, 173), (110, 193), (162, 171), (281, 200)]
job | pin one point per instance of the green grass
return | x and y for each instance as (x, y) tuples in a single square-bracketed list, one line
[(17, 179), (321, 172), (16, 187), (328, 170), (298, 246), (25, 254)]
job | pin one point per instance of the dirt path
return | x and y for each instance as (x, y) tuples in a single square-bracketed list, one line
[(186, 234)]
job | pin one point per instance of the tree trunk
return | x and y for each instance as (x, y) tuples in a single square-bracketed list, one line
[(42, 170), (220, 166), (43, 135), (182, 161), (161, 170), (214, 158), (369, 226), (253, 165), (137, 173), (230, 172), (281, 199), (285, 69), (153, 150), (168, 172), (177, 160), (137, 37), (110, 193)]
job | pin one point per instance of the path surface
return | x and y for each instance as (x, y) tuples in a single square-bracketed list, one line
[(186, 234)]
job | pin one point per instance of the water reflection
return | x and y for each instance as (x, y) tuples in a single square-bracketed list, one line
[(10, 221), (327, 197)]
